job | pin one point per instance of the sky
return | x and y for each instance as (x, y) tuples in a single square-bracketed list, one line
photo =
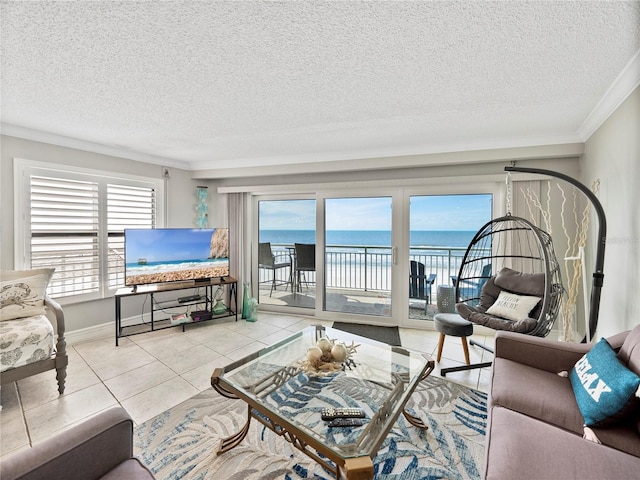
[(428, 213)]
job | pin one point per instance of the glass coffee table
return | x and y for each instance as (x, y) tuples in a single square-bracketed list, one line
[(282, 395)]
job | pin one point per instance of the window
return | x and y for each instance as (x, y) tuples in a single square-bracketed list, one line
[(74, 222)]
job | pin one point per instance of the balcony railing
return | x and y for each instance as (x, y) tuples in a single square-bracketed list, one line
[(368, 268)]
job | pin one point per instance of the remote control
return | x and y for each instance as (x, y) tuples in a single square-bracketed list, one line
[(346, 422), (332, 413)]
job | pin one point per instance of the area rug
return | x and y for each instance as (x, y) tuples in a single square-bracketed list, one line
[(388, 335), (182, 442)]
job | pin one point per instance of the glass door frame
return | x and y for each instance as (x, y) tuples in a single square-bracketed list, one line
[(395, 194), (495, 189), (255, 239)]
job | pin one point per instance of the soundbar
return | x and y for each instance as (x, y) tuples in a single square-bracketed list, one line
[(190, 298)]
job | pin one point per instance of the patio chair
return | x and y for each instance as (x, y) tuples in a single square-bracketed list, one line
[(305, 262), (268, 261), (420, 284), (469, 290)]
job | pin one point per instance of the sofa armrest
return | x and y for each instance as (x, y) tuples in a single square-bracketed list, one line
[(83, 452), (541, 353)]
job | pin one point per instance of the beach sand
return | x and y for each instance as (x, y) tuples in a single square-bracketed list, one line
[(182, 275)]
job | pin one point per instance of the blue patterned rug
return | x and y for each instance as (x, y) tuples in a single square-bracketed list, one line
[(182, 442)]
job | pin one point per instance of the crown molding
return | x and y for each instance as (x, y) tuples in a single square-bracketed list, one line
[(620, 89), (93, 147)]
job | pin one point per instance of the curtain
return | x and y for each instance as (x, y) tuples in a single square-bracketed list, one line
[(239, 241)]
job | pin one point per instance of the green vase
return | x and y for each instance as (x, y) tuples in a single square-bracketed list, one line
[(246, 297)]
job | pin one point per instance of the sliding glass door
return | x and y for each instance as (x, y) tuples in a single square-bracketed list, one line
[(283, 226), (441, 227), (380, 257), (358, 255)]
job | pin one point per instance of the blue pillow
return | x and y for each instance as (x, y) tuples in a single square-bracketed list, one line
[(603, 385)]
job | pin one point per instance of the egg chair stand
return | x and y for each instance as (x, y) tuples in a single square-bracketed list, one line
[(598, 273)]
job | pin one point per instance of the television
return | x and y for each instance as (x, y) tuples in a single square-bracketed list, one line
[(162, 255)]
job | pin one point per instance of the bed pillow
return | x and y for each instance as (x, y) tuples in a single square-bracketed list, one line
[(22, 292), (513, 307), (604, 387)]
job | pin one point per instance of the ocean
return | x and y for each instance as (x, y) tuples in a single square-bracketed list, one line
[(353, 238)]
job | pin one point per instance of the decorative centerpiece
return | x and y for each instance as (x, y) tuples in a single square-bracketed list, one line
[(328, 356)]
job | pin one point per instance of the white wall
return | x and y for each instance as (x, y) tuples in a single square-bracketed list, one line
[(612, 155), (180, 205)]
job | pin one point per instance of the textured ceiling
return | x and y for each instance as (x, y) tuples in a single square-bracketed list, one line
[(206, 85)]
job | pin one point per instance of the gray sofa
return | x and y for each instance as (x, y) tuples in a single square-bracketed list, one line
[(99, 448), (535, 428)]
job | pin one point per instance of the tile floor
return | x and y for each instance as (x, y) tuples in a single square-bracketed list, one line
[(152, 372)]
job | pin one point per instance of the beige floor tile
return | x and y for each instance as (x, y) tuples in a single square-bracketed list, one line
[(276, 337), (12, 427), (156, 400), (246, 350), (104, 349), (52, 417), (176, 342), (185, 360), (229, 341), (208, 332), (259, 330), (280, 321), (200, 377), (129, 359), (138, 380), (424, 341), (42, 388)]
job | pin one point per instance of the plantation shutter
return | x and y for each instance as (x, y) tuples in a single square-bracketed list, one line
[(127, 207), (64, 222)]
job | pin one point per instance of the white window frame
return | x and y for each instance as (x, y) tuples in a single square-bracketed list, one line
[(24, 169)]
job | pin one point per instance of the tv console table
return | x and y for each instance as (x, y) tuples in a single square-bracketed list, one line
[(151, 290)]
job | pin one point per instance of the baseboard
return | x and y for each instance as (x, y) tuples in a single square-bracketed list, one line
[(100, 332), (91, 334)]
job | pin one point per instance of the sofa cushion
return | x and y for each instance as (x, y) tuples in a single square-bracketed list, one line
[(512, 306), (523, 447), (629, 353), (603, 386), (22, 292), (536, 393), (131, 469)]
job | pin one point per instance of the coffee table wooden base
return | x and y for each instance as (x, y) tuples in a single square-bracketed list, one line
[(360, 468)]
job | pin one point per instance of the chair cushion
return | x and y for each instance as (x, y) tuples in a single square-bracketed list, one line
[(512, 306), (24, 341), (22, 292), (522, 283), (497, 323)]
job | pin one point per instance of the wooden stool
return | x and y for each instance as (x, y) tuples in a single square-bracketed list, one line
[(454, 325)]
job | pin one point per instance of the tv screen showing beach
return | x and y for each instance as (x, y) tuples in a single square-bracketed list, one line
[(162, 255)]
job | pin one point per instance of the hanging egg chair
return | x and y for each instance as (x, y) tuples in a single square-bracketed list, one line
[(510, 254)]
